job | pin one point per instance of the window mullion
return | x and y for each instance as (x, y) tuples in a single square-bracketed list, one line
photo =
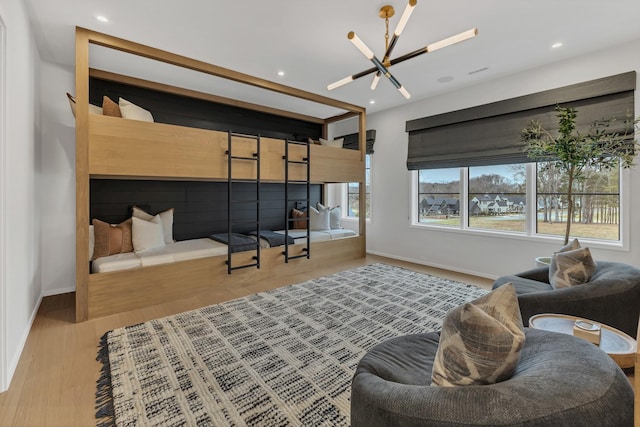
[(532, 199), (464, 198)]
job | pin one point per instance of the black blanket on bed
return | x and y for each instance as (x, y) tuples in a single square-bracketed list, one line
[(274, 239), (239, 242)]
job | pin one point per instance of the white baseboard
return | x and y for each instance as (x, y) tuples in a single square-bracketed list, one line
[(428, 264), (60, 291), (23, 341)]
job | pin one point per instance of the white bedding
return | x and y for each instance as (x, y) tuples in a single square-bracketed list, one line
[(178, 251), (197, 248)]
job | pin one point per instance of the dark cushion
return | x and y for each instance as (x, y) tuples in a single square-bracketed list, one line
[(611, 297), (560, 380)]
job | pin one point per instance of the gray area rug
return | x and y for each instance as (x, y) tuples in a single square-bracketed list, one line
[(279, 358)]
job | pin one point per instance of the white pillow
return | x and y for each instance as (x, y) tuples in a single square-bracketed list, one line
[(337, 143), (147, 234), (92, 241), (318, 219), (335, 216), (166, 218), (131, 111), (93, 109)]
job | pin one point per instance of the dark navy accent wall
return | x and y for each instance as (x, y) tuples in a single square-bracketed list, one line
[(191, 112), (200, 207)]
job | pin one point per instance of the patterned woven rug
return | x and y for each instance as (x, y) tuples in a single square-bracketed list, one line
[(279, 358)]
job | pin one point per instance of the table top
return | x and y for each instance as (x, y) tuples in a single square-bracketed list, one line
[(612, 340)]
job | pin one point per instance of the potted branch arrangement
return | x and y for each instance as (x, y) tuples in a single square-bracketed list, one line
[(572, 152)]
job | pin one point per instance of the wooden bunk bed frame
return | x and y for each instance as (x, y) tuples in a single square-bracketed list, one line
[(115, 148)]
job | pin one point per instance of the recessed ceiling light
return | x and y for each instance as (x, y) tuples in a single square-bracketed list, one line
[(281, 73), (445, 79), (102, 18), (556, 45), (372, 101)]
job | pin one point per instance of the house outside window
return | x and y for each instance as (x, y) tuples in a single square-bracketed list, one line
[(353, 196), (439, 197), (497, 200)]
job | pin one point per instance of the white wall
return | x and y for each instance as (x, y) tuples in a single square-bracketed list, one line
[(390, 233), (57, 243), (22, 278)]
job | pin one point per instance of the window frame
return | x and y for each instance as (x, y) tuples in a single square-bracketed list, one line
[(530, 233), (345, 198)]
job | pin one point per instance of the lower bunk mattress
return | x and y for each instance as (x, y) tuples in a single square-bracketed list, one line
[(198, 248)]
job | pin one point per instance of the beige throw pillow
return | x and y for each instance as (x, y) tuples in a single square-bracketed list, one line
[(147, 234), (480, 341), (337, 143), (93, 109), (335, 216), (319, 219), (571, 268), (131, 111), (166, 218)]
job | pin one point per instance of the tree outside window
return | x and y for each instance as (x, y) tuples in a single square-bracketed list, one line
[(596, 201), (497, 200)]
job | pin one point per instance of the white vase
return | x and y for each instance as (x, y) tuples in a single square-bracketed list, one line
[(543, 261)]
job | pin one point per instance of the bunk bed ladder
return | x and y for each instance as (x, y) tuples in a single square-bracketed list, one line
[(231, 202), (305, 161)]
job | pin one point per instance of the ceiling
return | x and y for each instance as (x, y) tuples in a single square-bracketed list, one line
[(307, 40)]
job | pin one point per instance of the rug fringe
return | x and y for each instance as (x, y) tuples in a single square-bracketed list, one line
[(105, 415)]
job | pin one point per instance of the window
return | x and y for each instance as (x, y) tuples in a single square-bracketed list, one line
[(596, 201), (439, 197), (353, 195), (497, 197), (497, 200)]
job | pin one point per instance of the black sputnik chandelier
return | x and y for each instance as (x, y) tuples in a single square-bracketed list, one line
[(381, 68)]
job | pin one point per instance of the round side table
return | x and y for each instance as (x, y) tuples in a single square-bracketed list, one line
[(618, 345)]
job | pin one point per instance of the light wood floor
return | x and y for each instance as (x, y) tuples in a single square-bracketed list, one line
[(55, 382)]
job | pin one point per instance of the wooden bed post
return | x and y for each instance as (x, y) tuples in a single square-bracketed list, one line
[(82, 174), (636, 375), (362, 191)]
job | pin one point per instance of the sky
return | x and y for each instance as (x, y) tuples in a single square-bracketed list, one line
[(453, 174)]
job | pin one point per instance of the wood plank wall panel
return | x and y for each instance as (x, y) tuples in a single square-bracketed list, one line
[(191, 112), (200, 207), (121, 291)]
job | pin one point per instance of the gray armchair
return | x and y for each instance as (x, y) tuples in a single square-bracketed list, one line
[(551, 387), (611, 297)]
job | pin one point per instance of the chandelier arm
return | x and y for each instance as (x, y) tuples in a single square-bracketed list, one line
[(368, 53), (396, 35), (466, 35), (383, 70), (351, 78)]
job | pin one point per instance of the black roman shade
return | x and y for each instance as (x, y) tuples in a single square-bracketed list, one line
[(351, 140), (490, 134)]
